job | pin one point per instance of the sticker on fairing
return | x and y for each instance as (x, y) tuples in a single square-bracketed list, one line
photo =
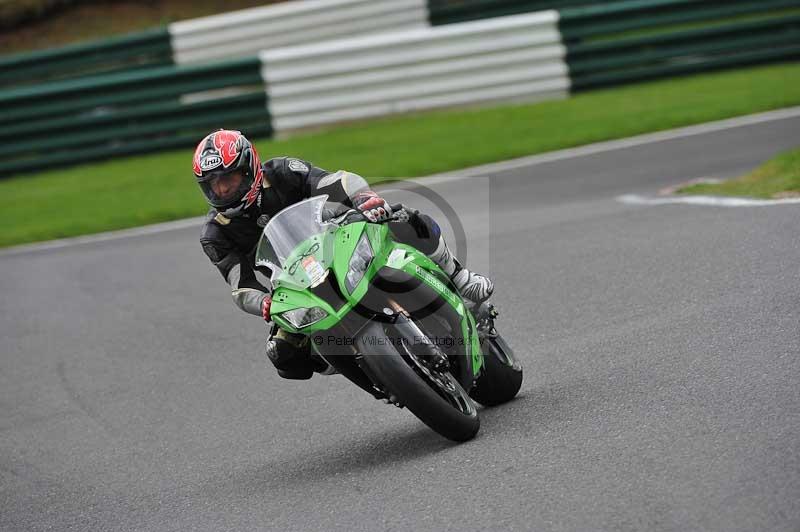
[(297, 166), (314, 270), (437, 285), (396, 256)]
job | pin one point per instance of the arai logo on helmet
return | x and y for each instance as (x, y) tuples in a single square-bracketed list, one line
[(210, 162)]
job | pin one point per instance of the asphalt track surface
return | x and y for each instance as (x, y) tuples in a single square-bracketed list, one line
[(660, 345)]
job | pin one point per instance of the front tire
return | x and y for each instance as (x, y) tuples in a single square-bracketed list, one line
[(454, 417), (501, 377)]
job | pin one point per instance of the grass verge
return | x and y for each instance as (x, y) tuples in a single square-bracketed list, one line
[(777, 178), (158, 187)]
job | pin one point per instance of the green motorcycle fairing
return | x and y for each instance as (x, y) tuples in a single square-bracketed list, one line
[(329, 253)]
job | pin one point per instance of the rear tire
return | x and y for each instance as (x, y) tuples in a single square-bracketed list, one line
[(401, 376), (501, 377)]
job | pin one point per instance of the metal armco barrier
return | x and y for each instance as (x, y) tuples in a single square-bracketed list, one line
[(610, 18), (682, 52), (231, 35), (137, 50), (453, 11), (90, 118), (635, 40), (529, 56), (498, 59), (248, 31)]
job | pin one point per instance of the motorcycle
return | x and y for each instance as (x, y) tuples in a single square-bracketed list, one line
[(385, 316)]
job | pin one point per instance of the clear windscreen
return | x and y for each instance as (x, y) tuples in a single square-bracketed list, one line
[(293, 225)]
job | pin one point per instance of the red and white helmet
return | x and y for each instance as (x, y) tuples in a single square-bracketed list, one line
[(223, 155)]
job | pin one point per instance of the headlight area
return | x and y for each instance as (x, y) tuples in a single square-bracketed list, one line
[(359, 262), (303, 317)]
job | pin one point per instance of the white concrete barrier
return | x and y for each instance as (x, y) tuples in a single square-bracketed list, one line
[(248, 31), (519, 57)]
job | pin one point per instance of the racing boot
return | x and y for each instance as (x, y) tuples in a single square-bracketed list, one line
[(292, 356), (290, 353), (472, 286)]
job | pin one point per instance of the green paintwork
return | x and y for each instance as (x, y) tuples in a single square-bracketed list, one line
[(147, 48), (64, 97), (594, 64), (333, 251), (454, 11), (615, 43), (620, 16), (171, 116), (141, 111)]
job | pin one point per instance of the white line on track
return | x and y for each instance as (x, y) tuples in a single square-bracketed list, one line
[(487, 169), (714, 201)]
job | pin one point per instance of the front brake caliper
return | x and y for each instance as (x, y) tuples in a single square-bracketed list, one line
[(486, 315)]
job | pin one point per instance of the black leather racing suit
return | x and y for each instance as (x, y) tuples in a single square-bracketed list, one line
[(230, 243)]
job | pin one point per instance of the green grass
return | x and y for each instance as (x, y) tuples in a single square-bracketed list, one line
[(779, 177), (158, 187)]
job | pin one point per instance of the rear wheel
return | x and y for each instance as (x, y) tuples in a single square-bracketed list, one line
[(501, 377), (435, 397)]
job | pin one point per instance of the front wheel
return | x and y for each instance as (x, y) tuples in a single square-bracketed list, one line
[(435, 397), (501, 377)]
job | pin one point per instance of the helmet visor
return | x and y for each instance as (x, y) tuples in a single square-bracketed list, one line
[(225, 189)]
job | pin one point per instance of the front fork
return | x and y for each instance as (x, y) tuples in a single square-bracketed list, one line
[(485, 315)]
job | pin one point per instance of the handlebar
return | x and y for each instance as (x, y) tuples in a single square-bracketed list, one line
[(355, 215)]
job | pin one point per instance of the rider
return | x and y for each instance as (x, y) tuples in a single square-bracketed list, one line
[(244, 194)]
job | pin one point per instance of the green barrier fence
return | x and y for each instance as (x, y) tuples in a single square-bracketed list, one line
[(621, 41), (635, 40), (131, 147), (146, 109), (109, 92), (452, 11), (634, 59), (136, 50), (620, 16), (90, 118)]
